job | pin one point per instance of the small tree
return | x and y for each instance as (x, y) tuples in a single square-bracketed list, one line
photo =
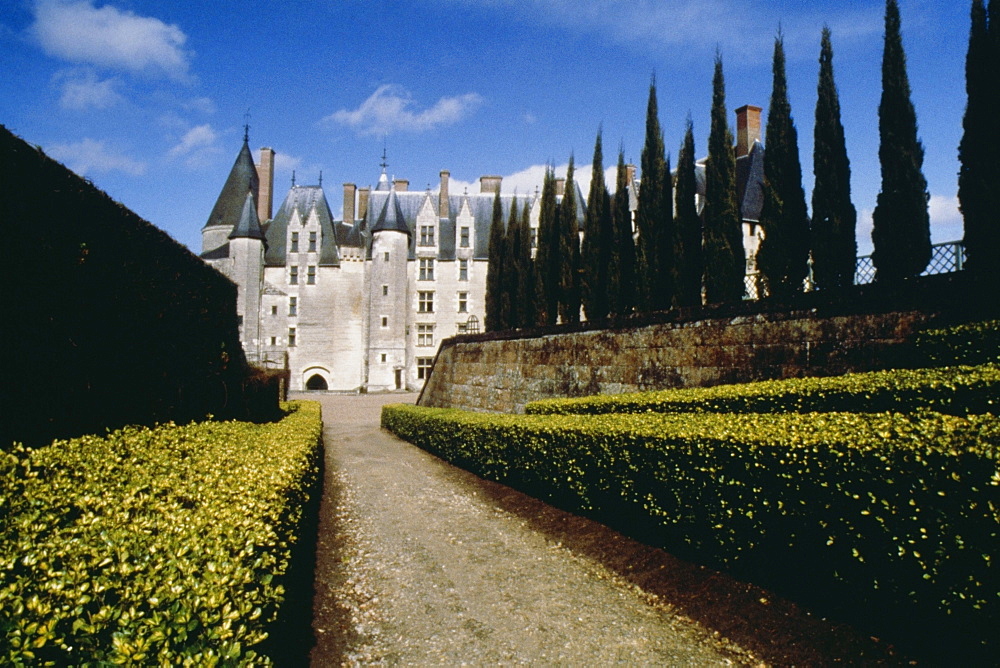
[(725, 263), (494, 320), (651, 214), (569, 252), (622, 275), (512, 272), (687, 227), (783, 257), (597, 241), (901, 234), (525, 302), (834, 246)]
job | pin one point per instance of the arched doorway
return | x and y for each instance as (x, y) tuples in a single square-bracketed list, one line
[(316, 382)]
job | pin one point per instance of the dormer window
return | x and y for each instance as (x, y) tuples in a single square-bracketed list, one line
[(463, 237), (426, 235), (312, 242), (295, 242)]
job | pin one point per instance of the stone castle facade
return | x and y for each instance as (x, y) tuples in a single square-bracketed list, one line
[(362, 303)]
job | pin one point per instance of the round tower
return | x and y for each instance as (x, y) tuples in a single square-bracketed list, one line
[(388, 298)]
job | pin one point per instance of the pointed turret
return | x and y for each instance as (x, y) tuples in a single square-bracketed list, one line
[(228, 207), (391, 217), (249, 225)]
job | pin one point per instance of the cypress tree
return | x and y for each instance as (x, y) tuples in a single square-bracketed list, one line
[(724, 261), (783, 257), (651, 215), (511, 277), (687, 227), (901, 235), (569, 252), (979, 150), (597, 241), (547, 255), (834, 246), (494, 320), (622, 275), (525, 272)]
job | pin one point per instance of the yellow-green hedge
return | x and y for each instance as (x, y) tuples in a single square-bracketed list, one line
[(956, 390), (155, 546), (897, 515)]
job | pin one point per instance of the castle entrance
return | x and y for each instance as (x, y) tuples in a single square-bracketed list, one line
[(316, 382)]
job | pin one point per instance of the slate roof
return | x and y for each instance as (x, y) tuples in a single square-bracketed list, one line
[(216, 253), (249, 225), (305, 200), (390, 217), (242, 179), (750, 183)]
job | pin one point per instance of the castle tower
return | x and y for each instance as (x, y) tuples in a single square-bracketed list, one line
[(243, 179), (388, 298), (246, 252)]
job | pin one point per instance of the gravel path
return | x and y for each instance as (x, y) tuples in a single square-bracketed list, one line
[(420, 563)]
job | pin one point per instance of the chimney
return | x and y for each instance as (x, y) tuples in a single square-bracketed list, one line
[(401, 185), (266, 194), (747, 129), (349, 191), (629, 175), (443, 208), (560, 187), (363, 202), (490, 184)]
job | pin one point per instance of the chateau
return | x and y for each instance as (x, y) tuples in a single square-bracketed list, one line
[(361, 304)]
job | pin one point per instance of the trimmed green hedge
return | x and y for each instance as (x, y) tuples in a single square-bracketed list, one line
[(967, 343), (954, 390), (892, 515), (157, 546)]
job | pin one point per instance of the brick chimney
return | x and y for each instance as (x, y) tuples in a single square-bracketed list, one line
[(401, 185), (443, 208), (265, 171), (490, 184), (560, 187), (629, 175), (363, 202), (747, 129), (349, 191)]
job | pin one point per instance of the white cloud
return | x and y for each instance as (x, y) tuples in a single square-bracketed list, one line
[(390, 109), (76, 31), (947, 223), (94, 156), (204, 105), (82, 89), (286, 163), (197, 146)]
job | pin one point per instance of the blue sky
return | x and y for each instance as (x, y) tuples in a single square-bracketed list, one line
[(147, 99)]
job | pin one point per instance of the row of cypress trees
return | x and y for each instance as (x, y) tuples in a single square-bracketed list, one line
[(677, 258)]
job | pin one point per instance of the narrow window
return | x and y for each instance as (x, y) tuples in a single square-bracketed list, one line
[(425, 302), (463, 270), (293, 276), (312, 242), (383, 358), (293, 306), (424, 365), (311, 275), (463, 237), (295, 242), (385, 321), (274, 340), (385, 290), (386, 257), (463, 302), (274, 310), (426, 269), (291, 337), (534, 237)]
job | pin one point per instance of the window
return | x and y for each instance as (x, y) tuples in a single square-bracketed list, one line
[(424, 365), (293, 276), (385, 321), (293, 306), (295, 242), (534, 237), (463, 237), (312, 242), (385, 290), (311, 275), (274, 340), (463, 302), (385, 258), (274, 310), (462, 327), (463, 270), (382, 358), (426, 269), (426, 235), (425, 334), (291, 337), (425, 301)]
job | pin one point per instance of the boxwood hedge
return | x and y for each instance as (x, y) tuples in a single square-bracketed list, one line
[(957, 390), (155, 546), (892, 515)]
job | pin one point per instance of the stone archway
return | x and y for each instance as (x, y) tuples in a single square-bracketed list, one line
[(316, 382)]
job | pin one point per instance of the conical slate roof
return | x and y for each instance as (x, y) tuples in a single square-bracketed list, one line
[(249, 225), (242, 179), (391, 217)]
